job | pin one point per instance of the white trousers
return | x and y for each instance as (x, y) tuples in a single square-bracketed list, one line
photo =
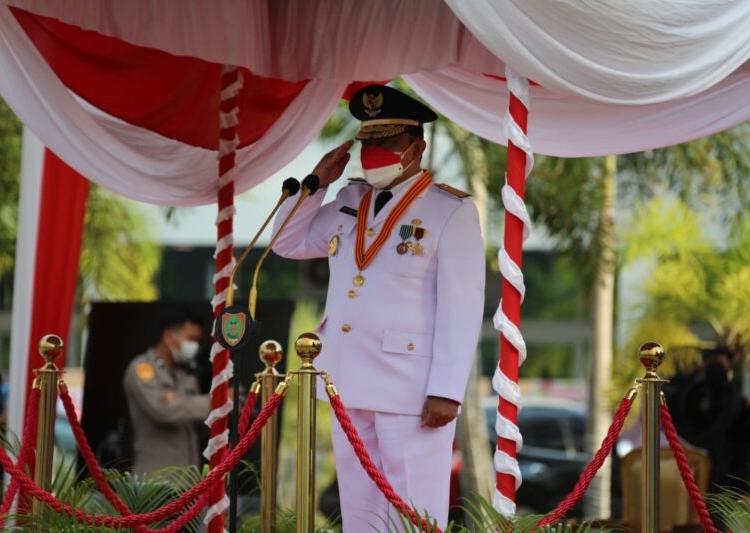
[(415, 460)]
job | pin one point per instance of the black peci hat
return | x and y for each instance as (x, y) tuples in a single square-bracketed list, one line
[(386, 112)]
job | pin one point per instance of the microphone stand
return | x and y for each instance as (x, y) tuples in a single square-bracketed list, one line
[(236, 316), (309, 185)]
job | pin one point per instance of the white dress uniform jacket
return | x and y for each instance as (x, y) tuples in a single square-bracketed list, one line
[(411, 329)]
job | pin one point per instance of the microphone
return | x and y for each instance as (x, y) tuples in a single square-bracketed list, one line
[(233, 326), (288, 189), (310, 185)]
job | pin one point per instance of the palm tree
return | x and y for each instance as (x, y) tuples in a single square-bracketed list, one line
[(693, 281)]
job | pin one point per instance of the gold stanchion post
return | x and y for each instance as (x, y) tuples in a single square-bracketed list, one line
[(651, 356), (308, 347), (50, 347), (270, 353)]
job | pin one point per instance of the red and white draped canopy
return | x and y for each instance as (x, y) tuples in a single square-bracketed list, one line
[(125, 92)]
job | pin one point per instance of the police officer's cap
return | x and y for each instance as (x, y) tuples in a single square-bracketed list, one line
[(386, 112)]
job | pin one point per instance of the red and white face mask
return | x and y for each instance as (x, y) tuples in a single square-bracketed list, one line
[(381, 166)]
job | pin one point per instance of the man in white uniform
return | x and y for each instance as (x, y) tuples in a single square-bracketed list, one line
[(403, 310)]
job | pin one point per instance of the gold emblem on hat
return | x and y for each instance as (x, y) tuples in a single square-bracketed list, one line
[(333, 245), (372, 104)]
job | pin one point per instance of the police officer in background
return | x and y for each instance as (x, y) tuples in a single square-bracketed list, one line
[(163, 396), (403, 310)]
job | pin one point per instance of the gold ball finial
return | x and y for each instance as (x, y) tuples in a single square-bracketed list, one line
[(50, 347), (308, 347), (651, 355), (270, 353)]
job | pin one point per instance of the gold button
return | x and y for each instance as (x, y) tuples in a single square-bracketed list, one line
[(370, 232), (352, 294), (410, 347), (346, 328)]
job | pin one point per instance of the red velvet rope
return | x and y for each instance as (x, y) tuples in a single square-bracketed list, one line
[(247, 412), (214, 476), (27, 450), (593, 467), (90, 458), (687, 475), (101, 482), (372, 469)]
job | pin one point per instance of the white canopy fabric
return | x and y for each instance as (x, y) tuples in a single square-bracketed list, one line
[(610, 78), (635, 52)]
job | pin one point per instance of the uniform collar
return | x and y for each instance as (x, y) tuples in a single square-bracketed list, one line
[(401, 187), (397, 191)]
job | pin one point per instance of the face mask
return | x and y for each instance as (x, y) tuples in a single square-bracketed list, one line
[(382, 166), (186, 353)]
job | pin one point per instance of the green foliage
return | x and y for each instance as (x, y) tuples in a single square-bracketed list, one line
[(146, 493), (557, 279), (340, 125), (286, 522), (140, 494), (732, 507), (566, 197), (688, 280), (663, 227), (118, 257), (10, 166), (708, 174)]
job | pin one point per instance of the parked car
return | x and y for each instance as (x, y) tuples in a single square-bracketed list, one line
[(553, 454)]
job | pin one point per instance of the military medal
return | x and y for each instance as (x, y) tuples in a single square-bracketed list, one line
[(405, 232), (358, 280), (333, 245), (417, 248), (363, 255)]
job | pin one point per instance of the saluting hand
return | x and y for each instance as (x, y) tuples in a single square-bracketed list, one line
[(437, 411), (332, 164)]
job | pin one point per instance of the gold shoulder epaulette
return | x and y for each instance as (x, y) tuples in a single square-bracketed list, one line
[(357, 180), (452, 190)]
